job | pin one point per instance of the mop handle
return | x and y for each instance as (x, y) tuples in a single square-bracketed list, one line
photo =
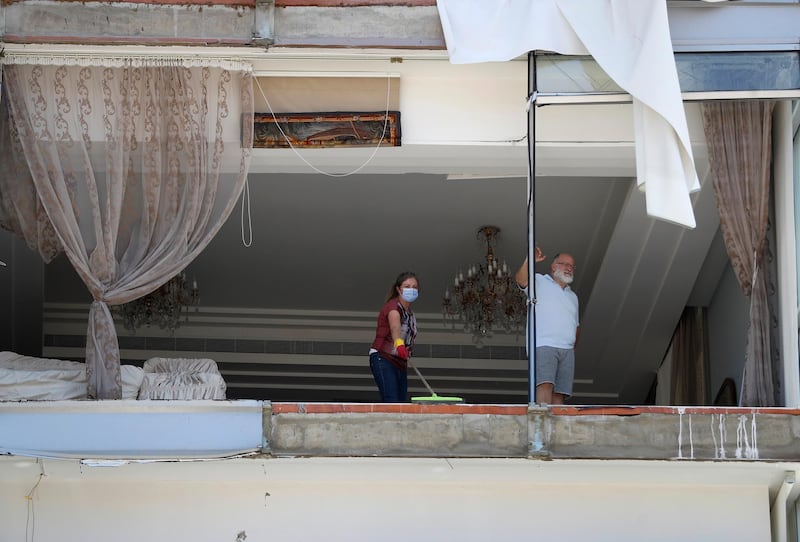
[(419, 374)]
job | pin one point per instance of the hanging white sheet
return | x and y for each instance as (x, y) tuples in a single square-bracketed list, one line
[(630, 40)]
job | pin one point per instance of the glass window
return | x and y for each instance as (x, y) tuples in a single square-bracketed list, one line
[(572, 74), (702, 72), (697, 72)]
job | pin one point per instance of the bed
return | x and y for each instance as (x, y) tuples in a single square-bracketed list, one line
[(27, 378)]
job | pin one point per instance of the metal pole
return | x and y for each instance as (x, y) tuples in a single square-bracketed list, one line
[(531, 335)]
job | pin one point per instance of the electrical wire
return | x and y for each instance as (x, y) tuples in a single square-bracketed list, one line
[(248, 241), (246, 202), (30, 517)]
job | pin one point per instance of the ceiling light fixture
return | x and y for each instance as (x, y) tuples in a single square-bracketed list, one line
[(486, 298), (162, 307)]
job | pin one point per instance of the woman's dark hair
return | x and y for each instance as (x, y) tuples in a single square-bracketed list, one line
[(398, 281)]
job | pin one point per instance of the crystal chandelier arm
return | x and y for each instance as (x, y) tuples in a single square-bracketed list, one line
[(162, 307)]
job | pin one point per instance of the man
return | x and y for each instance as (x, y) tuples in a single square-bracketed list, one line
[(557, 327)]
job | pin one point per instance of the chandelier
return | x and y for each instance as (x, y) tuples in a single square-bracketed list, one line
[(487, 298), (162, 307)]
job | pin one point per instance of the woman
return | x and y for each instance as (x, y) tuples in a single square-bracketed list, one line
[(394, 339)]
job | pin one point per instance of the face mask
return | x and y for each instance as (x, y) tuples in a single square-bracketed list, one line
[(410, 294)]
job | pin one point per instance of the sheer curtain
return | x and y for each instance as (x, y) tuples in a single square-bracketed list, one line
[(136, 163), (740, 151), (21, 212)]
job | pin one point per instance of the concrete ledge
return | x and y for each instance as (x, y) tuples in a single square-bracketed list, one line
[(192, 429), (395, 26), (98, 23), (398, 430), (539, 432), (658, 433), (699, 433), (226, 23)]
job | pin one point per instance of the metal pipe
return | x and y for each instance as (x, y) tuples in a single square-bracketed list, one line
[(778, 509), (531, 335)]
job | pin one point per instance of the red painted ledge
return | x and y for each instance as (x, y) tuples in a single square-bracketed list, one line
[(516, 410), (637, 410), (396, 408)]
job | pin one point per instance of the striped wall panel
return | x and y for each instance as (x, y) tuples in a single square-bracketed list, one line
[(308, 356)]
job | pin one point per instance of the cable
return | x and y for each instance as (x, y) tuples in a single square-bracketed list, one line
[(30, 518), (246, 201), (246, 191)]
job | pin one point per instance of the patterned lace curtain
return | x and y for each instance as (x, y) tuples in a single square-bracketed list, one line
[(21, 211), (136, 164), (740, 151)]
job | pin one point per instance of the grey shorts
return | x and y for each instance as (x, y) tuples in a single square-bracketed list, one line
[(555, 366)]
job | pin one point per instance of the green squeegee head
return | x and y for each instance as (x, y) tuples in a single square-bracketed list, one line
[(433, 399)]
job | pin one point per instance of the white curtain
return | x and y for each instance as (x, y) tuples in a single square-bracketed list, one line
[(630, 40), (137, 164)]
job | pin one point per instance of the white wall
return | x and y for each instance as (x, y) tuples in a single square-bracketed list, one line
[(374, 499)]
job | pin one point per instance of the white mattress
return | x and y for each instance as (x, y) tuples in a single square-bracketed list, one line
[(26, 378), (182, 378)]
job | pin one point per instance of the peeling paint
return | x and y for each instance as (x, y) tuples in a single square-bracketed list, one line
[(750, 443), (714, 438), (719, 452), (681, 412), (723, 433), (537, 442)]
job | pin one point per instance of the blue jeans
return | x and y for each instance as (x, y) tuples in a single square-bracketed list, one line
[(392, 382)]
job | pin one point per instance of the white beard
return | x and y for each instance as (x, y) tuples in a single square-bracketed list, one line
[(563, 276)]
